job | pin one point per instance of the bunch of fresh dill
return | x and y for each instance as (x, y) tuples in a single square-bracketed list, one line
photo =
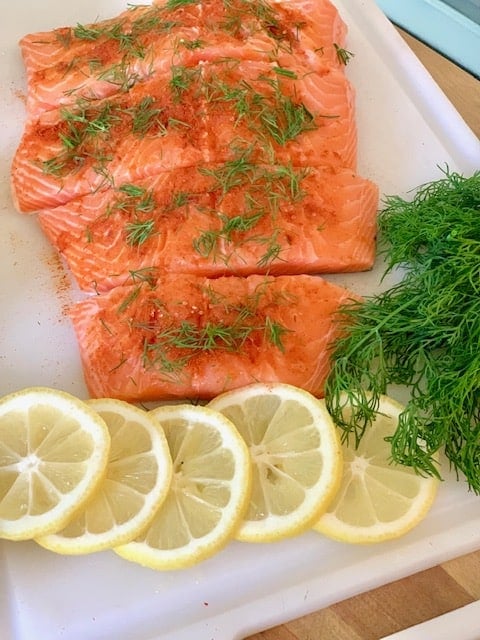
[(422, 333)]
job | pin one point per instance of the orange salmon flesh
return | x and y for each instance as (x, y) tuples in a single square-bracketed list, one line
[(194, 162), (193, 337)]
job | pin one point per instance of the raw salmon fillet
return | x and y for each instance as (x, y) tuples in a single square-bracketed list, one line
[(194, 162), (183, 222), (194, 115), (104, 58), (193, 337)]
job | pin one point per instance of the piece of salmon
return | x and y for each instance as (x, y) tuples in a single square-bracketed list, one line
[(271, 219), (184, 157), (195, 115), (107, 57), (193, 337)]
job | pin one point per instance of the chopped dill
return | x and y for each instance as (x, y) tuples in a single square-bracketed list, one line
[(274, 332), (172, 345), (192, 44), (180, 199), (129, 299), (86, 32), (146, 274), (120, 75), (85, 123), (261, 12), (286, 120), (182, 79), (146, 117), (171, 5), (343, 55), (194, 339), (133, 199), (272, 253), (272, 114), (120, 363), (207, 242), (139, 231), (287, 73), (264, 190), (83, 134)]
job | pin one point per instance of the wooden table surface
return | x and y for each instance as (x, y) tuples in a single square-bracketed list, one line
[(436, 591)]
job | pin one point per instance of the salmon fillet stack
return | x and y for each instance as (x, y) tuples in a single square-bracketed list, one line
[(194, 162)]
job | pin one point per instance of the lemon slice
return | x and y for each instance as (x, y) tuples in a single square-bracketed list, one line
[(136, 483), (53, 454), (296, 456), (208, 495), (378, 500)]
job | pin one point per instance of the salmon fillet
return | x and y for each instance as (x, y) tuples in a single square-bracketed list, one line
[(193, 116), (272, 219), (193, 337), (105, 58), (194, 161)]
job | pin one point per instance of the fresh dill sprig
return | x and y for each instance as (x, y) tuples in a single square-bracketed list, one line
[(151, 20), (89, 32), (274, 332), (422, 333), (134, 200), (286, 120), (272, 252), (180, 199)]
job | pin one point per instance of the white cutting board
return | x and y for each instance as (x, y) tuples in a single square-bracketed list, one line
[(406, 128)]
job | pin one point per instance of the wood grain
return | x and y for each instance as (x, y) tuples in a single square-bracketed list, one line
[(436, 591), (391, 608), (462, 89)]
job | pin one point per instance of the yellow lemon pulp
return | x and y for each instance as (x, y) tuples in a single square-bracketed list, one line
[(296, 457), (137, 480), (377, 500), (53, 454), (208, 494)]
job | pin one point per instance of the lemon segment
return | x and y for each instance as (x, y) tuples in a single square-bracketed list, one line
[(208, 495), (296, 457), (137, 480), (378, 500), (53, 454)]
